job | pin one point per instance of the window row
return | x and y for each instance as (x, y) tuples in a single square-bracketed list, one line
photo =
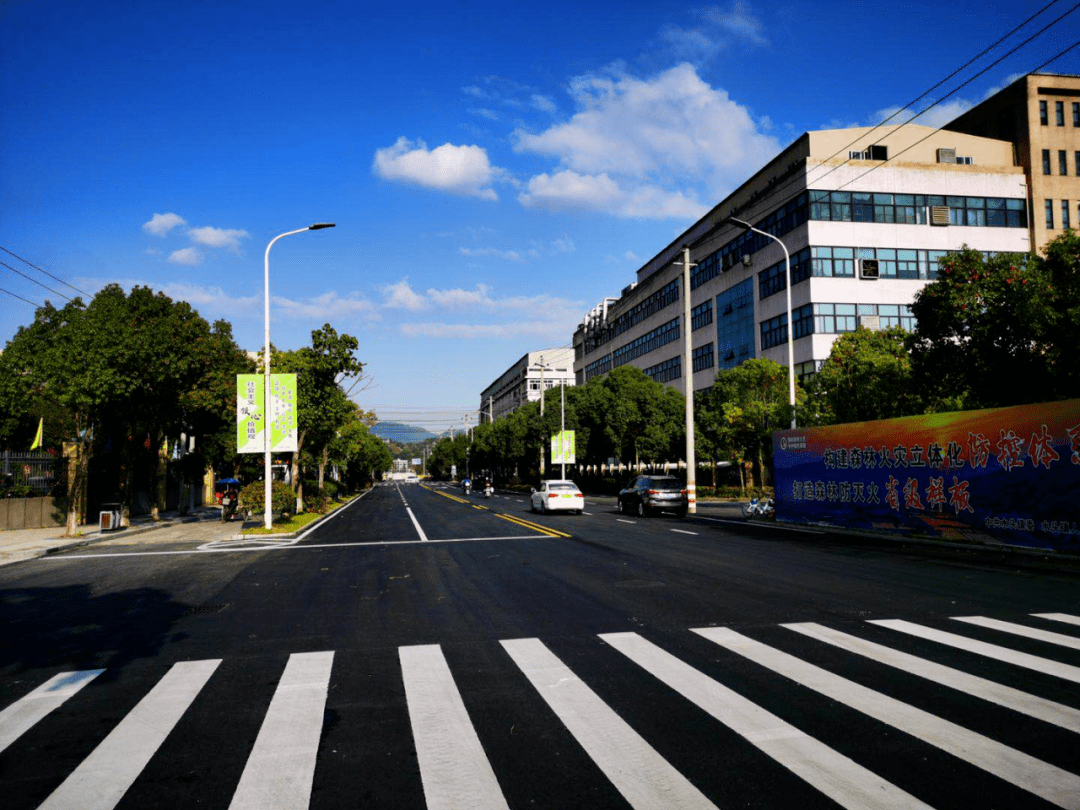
[(1062, 161), (703, 357), (660, 336), (1066, 220), (701, 315), (911, 209), (666, 371), (1059, 113), (598, 367), (826, 319), (669, 294), (839, 262)]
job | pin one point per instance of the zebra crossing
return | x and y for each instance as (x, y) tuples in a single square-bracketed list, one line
[(456, 767)]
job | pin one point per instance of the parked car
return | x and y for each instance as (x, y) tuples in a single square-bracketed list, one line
[(654, 493), (557, 496)]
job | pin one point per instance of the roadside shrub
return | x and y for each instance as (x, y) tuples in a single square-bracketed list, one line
[(282, 498), (330, 488), (318, 502)]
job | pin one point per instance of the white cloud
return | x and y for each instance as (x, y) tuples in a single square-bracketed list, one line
[(543, 103), (508, 255), (161, 224), (190, 257), (218, 237), (714, 29), (539, 316), (564, 244), (645, 147), (329, 305), (740, 20), (938, 116), (465, 331), (455, 169), (402, 296)]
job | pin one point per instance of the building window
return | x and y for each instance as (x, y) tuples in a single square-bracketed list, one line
[(660, 336), (735, 324), (1063, 162), (598, 367), (1043, 117), (701, 315), (666, 371), (1050, 214), (1076, 113), (647, 308), (833, 261), (1046, 161), (703, 358), (771, 280), (803, 321), (774, 331), (1076, 169), (1065, 214), (1059, 113), (804, 371), (834, 318)]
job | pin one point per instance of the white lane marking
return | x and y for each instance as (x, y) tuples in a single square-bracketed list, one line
[(1020, 659), (1045, 710), (1020, 630), (21, 715), (416, 523), (681, 531), (1047, 781), (322, 523), (454, 770), (620, 520), (838, 777), (102, 779), (1058, 617), (771, 524), (371, 544), (281, 766), (587, 513), (644, 778)]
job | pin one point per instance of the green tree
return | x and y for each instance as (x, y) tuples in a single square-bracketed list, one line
[(1061, 334), (742, 409), (866, 376), (631, 417), (985, 331)]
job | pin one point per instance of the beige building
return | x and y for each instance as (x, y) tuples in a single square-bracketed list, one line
[(865, 214), (524, 380), (1040, 115)]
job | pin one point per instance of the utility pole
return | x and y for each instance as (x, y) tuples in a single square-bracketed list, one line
[(543, 449), (688, 376), (562, 423)]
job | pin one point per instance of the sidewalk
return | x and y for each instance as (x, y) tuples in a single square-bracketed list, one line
[(26, 544)]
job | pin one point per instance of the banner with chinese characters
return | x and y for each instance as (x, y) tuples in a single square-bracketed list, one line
[(563, 449), (250, 413), (1001, 475)]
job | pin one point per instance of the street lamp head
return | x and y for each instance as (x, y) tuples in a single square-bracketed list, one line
[(737, 222), (318, 226)]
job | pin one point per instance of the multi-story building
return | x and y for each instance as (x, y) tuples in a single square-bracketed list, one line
[(525, 379), (1040, 114), (865, 214)]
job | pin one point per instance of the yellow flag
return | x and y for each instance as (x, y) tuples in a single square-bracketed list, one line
[(37, 437)]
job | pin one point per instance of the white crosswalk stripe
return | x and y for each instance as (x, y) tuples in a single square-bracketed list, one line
[(644, 778), (1051, 783), (452, 755), (24, 713), (103, 778), (281, 766), (835, 775), (1046, 710), (453, 767)]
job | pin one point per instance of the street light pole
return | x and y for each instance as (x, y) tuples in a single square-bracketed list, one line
[(688, 375), (790, 325), (267, 514)]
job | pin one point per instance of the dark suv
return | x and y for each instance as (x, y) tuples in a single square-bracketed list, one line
[(654, 493)]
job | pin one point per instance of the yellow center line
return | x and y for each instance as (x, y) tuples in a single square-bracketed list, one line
[(536, 527)]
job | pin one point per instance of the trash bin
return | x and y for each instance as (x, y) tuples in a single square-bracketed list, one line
[(109, 517)]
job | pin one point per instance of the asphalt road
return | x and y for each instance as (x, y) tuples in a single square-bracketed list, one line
[(424, 649)]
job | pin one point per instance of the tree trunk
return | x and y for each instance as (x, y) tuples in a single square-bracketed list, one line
[(322, 465), (298, 485), (78, 473), (161, 454)]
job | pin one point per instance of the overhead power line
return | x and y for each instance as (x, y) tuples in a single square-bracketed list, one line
[(13, 295), (28, 278), (43, 270)]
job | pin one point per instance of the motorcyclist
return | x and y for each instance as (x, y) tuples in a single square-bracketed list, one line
[(466, 485), (229, 503)]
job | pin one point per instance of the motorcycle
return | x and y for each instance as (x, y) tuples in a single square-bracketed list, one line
[(228, 507), (759, 507), (488, 490), (466, 487)]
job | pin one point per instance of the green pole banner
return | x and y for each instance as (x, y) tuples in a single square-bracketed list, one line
[(250, 415), (563, 450), (283, 413)]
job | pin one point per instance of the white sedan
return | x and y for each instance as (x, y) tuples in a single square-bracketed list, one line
[(562, 496)]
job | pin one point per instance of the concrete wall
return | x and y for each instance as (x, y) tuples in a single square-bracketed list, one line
[(32, 513)]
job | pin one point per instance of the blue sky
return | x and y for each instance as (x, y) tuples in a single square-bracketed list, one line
[(494, 169)]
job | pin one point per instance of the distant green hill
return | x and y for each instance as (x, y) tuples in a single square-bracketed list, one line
[(400, 432)]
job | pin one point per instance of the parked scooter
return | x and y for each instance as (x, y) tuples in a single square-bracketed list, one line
[(759, 507)]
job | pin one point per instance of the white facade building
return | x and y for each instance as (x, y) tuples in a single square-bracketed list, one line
[(525, 379), (844, 203)]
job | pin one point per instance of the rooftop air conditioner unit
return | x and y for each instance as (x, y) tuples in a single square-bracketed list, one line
[(869, 268), (946, 156), (940, 215), (871, 322)]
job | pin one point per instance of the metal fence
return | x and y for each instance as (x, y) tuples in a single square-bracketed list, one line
[(37, 473)]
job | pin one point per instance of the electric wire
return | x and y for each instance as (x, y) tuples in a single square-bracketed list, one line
[(46, 272), (28, 278), (711, 236), (14, 295)]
